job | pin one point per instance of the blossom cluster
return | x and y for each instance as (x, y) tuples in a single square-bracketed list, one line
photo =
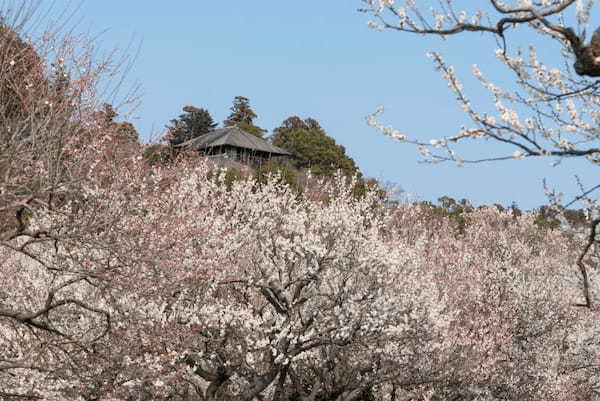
[(126, 281), (549, 111), (164, 282)]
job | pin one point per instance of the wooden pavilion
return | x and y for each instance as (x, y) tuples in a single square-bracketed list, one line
[(236, 144)]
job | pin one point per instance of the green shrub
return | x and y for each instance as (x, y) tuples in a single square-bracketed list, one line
[(158, 155), (287, 174)]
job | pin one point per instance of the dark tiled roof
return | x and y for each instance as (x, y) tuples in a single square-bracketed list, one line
[(232, 136)]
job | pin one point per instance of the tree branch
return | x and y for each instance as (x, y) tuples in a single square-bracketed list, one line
[(582, 268)]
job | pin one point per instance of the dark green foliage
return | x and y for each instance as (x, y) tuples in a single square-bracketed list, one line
[(287, 174), (127, 130), (251, 129), (576, 218), (516, 211), (232, 175), (513, 209), (158, 155), (193, 123), (107, 115), (366, 184), (450, 208), (228, 179), (312, 148), (240, 112), (242, 116), (281, 135), (546, 218)]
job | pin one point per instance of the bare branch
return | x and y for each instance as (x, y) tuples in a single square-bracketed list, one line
[(580, 262)]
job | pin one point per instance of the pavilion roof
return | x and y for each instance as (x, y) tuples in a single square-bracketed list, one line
[(232, 136)]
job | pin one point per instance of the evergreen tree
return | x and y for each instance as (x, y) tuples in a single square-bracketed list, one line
[(281, 135), (107, 116), (127, 130), (240, 112), (312, 147), (286, 174), (251, 129), (158, 154), (242, 116), (193, 123)]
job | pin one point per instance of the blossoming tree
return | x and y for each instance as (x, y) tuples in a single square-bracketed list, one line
[(251, 293), (122, 281), (552, 110)]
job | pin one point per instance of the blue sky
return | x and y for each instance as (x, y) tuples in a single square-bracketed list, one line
[(316, 59)]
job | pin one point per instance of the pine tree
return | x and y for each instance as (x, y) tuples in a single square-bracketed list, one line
[(193, 123), (312, 147), (242, 116), (240, 112), (107, 116), (281, 135)]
